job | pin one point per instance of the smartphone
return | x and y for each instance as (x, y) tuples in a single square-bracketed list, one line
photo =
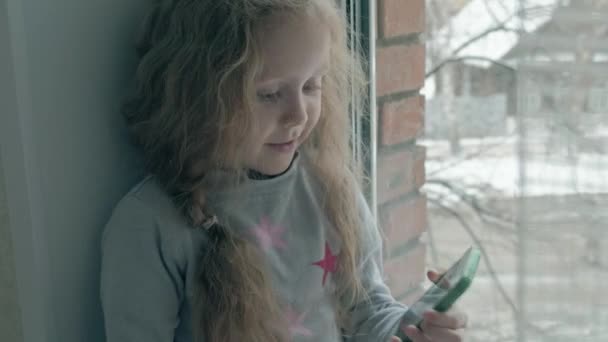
[(444, 293)]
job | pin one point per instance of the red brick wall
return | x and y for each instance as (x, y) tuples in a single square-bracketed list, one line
[(402, 208)]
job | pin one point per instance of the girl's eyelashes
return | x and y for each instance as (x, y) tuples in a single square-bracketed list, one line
[(311, 86), (269, 96), (315, 84)]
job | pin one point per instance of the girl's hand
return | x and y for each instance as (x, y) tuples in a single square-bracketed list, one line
[(437, 326)]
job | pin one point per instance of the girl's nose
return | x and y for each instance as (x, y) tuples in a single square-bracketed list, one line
[(295, 113)]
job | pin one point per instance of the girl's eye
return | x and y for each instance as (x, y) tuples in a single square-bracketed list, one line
[(269, 97), (312, 87)]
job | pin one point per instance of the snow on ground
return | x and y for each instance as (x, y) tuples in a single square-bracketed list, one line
[(500, 169)]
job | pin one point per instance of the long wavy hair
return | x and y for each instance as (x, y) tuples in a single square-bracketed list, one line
[(190, 111)]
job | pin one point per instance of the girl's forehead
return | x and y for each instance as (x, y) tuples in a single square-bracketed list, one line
[(292, 45)]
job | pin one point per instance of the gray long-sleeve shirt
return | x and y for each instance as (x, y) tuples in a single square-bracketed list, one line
[(150, 261)]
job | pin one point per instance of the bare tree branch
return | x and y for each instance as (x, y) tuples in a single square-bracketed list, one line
[(479, 36), (486, 258), (501, 26), (463, 58)]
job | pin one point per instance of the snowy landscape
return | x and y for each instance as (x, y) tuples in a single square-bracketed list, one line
[(564, 283), (517, 163)]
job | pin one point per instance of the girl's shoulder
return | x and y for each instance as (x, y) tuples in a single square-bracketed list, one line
[(150, 193), (147, 211), (147, 198)]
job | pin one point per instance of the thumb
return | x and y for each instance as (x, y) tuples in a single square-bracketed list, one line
[(395, 339), (433, 275)]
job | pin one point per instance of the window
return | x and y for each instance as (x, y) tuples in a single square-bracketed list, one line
[(492, 127)]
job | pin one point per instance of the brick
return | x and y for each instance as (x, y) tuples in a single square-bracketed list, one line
[(403, 221), (419, 167), (402, 120), (407, 271), (395, 174), (400, 68), (400, 17), (400, 172)]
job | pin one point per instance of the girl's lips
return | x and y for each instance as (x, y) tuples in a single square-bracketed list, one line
[(283, 147)]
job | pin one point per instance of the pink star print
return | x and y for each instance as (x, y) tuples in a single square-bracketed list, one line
[(295, 323), (328, 263), (269, 235)]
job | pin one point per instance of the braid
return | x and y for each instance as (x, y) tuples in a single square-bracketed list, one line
[(233, 285)]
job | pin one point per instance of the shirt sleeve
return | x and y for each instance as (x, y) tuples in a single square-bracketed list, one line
[(377, 318), (141, 283)]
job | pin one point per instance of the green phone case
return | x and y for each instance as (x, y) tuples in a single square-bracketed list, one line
[(464, 282), (463, 271)]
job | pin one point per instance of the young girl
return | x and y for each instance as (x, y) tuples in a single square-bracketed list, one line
[(250, 226)]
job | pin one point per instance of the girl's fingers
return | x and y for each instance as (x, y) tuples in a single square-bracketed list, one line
[(415, 334), (395, 339), (437, 334), (453, 319), (433, 275)]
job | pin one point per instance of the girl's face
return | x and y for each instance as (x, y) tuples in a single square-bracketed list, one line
[(295, 54)]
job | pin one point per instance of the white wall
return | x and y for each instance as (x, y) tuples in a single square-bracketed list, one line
[(64, 66)]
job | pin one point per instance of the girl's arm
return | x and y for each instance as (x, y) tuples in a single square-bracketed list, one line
[(141, 283), (375, 320)]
